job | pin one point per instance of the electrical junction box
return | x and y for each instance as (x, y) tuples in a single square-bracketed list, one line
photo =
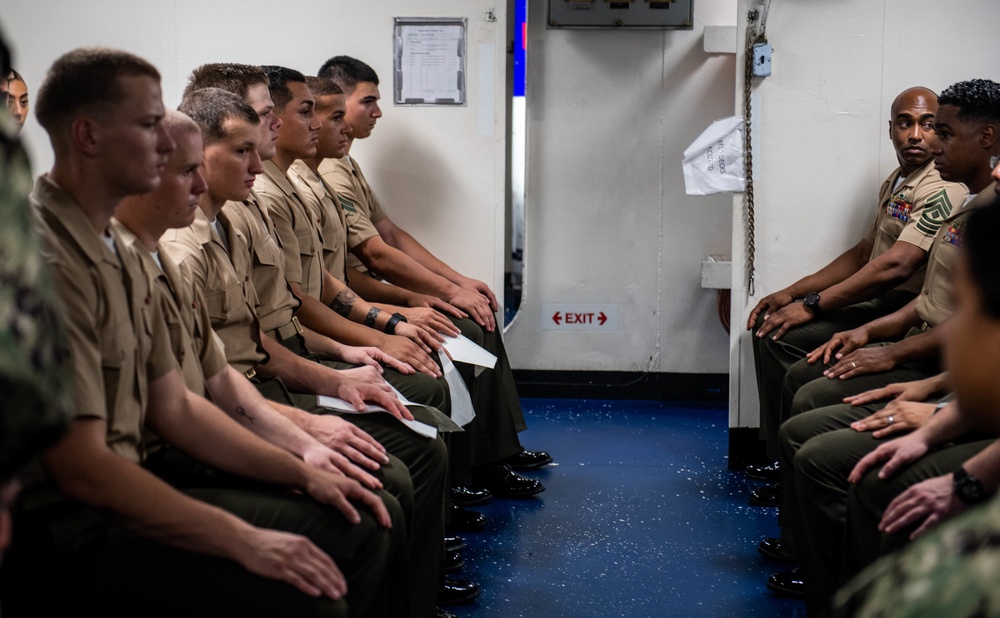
[(625, 14), (761, 60)]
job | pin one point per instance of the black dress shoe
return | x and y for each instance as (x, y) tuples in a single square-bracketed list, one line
[(787, 584), (769, 495), (528, 460), (453, 543), (453, 561), (443, 613), (457, 591), (467, 496), (770, 473), (504, 482), (464, 520), (772, 549)]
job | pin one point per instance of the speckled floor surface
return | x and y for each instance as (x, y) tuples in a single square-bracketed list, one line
[(640, 518)]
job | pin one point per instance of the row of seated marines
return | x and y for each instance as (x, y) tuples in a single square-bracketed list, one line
[(199, 263), (869, 447)]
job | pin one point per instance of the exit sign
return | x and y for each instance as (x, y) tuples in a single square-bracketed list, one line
[(574, 317)]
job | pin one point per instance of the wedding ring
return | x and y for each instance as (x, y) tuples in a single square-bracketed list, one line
[(890, 420), (854, 365)]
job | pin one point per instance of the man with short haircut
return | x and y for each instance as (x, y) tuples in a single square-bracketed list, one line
[(102, 110), (880, 274), (377, 245)]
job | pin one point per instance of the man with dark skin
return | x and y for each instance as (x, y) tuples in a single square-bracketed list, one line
[(878, 275)]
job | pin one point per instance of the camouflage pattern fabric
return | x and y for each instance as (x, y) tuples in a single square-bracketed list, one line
[(34, 378), (952, 572)]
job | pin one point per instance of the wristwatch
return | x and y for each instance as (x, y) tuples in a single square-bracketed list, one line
[(390, 326), (811, 302), (968, 488)]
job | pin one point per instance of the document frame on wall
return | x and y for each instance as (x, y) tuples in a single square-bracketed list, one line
[(429, 61)]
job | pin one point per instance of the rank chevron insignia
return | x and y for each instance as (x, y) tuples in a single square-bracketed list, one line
[(936, 210), (349, 206)]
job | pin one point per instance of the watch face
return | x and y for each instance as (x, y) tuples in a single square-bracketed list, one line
[(811, 299)]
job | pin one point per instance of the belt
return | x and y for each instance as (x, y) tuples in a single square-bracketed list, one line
[(287, 331), (250, 373)]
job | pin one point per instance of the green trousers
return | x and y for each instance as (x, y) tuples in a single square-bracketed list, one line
[(103, 567), (421, 493), (818, 451), (773, 359), (869, 499)]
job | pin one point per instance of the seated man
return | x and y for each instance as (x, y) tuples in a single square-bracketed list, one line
[(217, 256), (951, 570), (97, 514), (879, 275), (819, 447), (379, 246)]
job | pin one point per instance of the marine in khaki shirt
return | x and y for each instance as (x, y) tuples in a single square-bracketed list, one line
[(325, 206), (911, 209)]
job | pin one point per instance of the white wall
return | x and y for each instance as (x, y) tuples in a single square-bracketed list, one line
[(607, 221), (437, 173), (821, 133)]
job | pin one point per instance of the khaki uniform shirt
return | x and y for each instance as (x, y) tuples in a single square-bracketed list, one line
[(913, 212), (935, 302), (296, 228), (363, 211), (325, 206), (118, 342), (197, 349), (229, 295), (276, 305)]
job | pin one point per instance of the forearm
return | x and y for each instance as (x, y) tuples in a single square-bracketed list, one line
[(298, 374), (985, 466), (946, 425), (845, 265), (895, 325), (880, 275), (409, 245), (207, 434), (402, 270), (324, 321), (378, 291), (137, 499), (247, 406), (921, 347)]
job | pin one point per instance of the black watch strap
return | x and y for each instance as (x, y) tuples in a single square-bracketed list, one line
[(968, 488), (390, 326), (811, 302)]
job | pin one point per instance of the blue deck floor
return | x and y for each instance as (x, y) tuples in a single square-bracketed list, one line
[(640, 518)]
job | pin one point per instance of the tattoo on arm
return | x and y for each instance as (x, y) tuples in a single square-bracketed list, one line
[(241, 412), (372, 314), (343, 303)]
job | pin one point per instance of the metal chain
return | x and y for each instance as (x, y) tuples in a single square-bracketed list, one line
[(751, 39)]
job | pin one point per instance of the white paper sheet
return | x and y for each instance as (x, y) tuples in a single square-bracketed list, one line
[(463, 350), (462, 411), (338, 404)]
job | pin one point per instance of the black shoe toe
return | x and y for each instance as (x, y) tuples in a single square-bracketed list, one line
[(457, 591), (772, 549), (453, 561), (504, 482), (769, 495), (454, 543), (528, 460), (787, 584), (467, 496), (764, 472), (464, 520)]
